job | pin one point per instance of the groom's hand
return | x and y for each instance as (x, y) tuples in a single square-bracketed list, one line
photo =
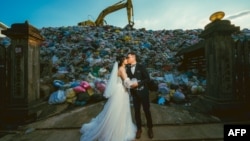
[(134, 85)]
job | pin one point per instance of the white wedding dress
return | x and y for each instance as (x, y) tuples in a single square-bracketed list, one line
[(114, 122)]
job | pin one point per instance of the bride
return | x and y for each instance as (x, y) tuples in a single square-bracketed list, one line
[(114, 122)]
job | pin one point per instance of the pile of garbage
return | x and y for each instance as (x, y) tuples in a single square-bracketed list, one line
[(86, 53), (76, 92)]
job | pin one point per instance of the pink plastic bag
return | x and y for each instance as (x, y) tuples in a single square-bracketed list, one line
[(85, 84), (79, 89)]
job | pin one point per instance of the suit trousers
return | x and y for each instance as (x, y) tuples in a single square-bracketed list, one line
[(138, 100)]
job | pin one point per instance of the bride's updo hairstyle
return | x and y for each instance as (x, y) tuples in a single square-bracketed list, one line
[(120, 59)]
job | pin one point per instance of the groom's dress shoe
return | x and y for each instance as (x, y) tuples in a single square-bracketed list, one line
[(150, 133), (138, 134)]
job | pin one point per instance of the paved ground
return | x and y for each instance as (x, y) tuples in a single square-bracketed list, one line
[(172, 122), (185, 132)]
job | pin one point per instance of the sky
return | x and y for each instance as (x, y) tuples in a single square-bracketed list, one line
[(148, 14)]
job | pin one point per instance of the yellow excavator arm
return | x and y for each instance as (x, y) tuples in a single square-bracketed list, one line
[(117, 6)]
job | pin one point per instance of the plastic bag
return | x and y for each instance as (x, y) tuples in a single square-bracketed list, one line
[(161, 101), (57, 97), (79, 89), (178, 96), (58, 83), (169, 78)]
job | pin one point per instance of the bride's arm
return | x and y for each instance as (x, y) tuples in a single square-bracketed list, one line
[(125, 78)]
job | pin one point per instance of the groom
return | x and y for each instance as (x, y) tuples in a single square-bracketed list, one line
[(140, 93)]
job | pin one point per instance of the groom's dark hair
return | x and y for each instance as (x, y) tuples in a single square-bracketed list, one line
[(133, 53)]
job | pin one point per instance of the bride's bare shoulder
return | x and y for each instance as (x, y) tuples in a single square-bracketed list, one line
[(121, 71)]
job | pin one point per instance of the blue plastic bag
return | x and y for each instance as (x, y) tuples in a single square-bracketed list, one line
[(57, 97), (161, 101), (178, 96), (58, 83)]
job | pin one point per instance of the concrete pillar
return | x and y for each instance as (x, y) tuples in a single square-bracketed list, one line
[(219, 53), (24, 71)]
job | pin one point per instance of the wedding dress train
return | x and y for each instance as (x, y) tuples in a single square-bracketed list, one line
[(114, 122)]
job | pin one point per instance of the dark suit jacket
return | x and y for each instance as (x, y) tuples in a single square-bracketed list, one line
[(142, 77)]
